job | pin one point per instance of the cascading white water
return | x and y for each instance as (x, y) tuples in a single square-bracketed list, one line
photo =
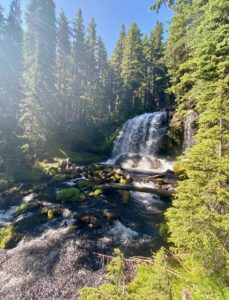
[(139, 140), (189, 130), (141, 134)]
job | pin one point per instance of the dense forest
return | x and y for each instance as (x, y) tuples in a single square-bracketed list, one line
[(59, 90), (58, 86)]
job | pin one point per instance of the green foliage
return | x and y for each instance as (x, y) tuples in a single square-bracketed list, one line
[(164, 231), (179, 169), (157, 5), (38, 79), (115, 288), (133, 65), (70, 194)]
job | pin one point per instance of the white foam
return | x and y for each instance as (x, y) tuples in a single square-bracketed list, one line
[(23, 217), (166, 165), (67, 222), (6, 216), (120, 231), (150, 201), (70, 183), (28, 198), (73, 182)]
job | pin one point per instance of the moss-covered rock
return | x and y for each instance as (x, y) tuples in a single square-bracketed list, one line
[(49, 212), (70, 194), (110, 215), (8, 237), (26, 207), (125, 196), (172, 143), (83, 184), (59, 178), (91, 221), (3, 184), (96, 193)]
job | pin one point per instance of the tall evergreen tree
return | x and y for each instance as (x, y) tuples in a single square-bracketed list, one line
[(132, 71), (38, 104), (2, 58), (63, 72), (179, 49), (91, 69), (157, 68), (155, 83), (14, 38), (199, 218), (79, 63), (10, 86), (2, 84), (102, 86), (116, 65)]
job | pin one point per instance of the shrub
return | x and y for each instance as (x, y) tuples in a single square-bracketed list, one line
[(163, 231)]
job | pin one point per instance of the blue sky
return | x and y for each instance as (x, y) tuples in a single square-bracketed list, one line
[(111, 14)]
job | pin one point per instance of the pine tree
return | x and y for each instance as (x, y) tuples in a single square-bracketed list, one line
[(63, 72), (102, 86), (10, 86), (157, 5), (116, 65), (132, 71), (91, 70), (179, 50), (199, 219), (79, 63), (157, 67), (156, 81), (38, 105), (2, 85), (13, 48), (2, 58)]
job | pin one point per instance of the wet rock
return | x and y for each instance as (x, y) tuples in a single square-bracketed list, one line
[(110, 215), (66, 213), (91, 221)]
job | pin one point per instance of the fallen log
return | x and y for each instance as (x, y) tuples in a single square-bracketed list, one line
[(133, 259), (136, 188)]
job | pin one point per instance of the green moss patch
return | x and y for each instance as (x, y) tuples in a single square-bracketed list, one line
[(8, 237), (26, 207), (96, 193), (71, 194)]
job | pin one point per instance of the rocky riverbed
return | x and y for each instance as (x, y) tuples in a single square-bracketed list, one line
[(55, 228)]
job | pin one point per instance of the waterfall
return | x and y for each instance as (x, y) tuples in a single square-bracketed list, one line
[(189, 130), (138, 142)]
